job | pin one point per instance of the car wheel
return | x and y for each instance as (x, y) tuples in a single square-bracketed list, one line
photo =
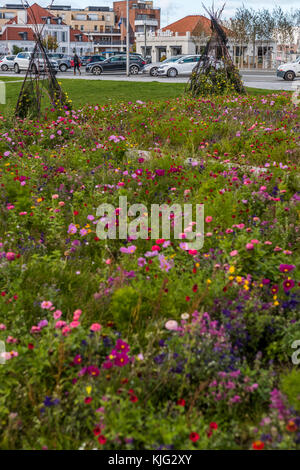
[(4, 67), (153, 72), (63, 68), (172, 73), (289, 76), (97, 70), (16, 68), (134, 70)]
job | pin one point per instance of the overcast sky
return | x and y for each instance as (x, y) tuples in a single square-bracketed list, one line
[(172, 10)]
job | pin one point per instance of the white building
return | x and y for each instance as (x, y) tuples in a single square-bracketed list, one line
[(20, 31)]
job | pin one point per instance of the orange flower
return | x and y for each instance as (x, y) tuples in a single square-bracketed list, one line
[(258, 445), (291, 426)]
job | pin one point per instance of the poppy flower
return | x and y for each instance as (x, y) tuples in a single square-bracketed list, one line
[(101, 439), (97, 431), (194, 437), (180, 402), (88, 400), (213, 425), (133, 398), (258, 445), (291, 426)]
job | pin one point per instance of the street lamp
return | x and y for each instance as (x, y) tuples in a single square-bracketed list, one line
[(145, 45)]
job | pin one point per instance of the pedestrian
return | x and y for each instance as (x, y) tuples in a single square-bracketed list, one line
[(76, 64)]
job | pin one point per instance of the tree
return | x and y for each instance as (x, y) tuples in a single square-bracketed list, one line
[(283, 28), (239, 27), (50, 43), (16, 49)]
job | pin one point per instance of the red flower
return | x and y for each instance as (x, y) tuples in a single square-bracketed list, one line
[(75, 212), (30, 346), (194, 436), (133, 398), (97, 431), (258, 445), (88, 400), (101, 439), (213, 425), (195, 288), (291, 426), (181, 402)]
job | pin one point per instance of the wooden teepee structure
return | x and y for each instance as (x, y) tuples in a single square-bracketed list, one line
[(40, 80), (215, 59)]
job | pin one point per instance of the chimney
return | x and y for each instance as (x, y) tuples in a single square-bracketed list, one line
[(22, 17)]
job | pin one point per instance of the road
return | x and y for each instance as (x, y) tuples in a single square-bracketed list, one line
[(254, 79)]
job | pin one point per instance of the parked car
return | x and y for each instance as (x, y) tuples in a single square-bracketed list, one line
[(116, 63), (22, 61), (289, 71), (182, 66), (85, 60), (64, 61), (7, 62), (152, 68)]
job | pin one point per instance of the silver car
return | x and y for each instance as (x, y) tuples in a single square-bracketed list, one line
[(7, 62), (153, 67)]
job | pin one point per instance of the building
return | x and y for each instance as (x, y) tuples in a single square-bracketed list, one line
[(186, 36), (189, 35), (98, 23), (19, 31), (143, 18)]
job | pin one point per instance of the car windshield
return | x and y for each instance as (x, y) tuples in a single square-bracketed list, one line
[(172, 59)]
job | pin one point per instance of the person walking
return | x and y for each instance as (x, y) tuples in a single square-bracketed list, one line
[(76, 64)]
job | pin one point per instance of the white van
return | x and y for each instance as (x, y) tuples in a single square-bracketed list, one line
[(289, 71)]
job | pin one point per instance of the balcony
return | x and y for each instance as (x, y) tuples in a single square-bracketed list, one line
[(147, 22)]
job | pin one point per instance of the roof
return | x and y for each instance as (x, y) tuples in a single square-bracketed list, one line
[(12, 33), (190, 23), (76, 32), (37, 15)]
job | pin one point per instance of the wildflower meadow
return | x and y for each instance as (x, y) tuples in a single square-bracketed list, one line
[(146, 343)]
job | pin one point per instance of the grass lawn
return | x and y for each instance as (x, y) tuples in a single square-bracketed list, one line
[(100, 92)]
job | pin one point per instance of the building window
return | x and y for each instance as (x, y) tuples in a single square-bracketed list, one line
[(81, 28), (95, 27)]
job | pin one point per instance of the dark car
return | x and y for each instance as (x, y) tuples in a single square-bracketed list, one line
[(64, 61), (92, 59), (116, 63)]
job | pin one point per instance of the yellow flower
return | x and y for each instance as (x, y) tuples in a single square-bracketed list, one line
[(208, 281), (231, 269), (88, 389)]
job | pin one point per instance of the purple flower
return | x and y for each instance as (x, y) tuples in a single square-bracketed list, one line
[(72, 229), (286, 268)]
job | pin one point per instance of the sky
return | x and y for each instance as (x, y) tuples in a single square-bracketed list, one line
[(172, 10)]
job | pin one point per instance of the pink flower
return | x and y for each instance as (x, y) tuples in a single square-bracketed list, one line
[(171, 325), (46, 304), (10, 256), (233, 253), (57, 314), (208, 219), (2, 327), (66, 330), (60, 324), (95, 327), (249, 246), (74, 324)]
